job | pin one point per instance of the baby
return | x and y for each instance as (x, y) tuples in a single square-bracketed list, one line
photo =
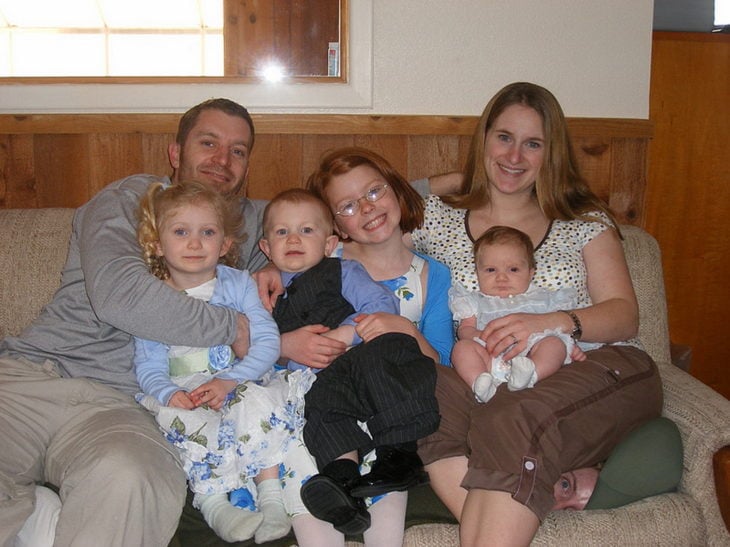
[(505, 265)]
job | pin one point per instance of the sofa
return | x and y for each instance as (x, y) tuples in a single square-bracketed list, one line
[(33, 244)]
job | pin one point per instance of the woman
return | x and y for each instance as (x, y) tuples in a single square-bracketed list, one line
[(373, 207), (494, 465)]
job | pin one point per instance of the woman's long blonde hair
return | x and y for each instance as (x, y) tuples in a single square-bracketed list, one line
[(561, 191), (159, 203)]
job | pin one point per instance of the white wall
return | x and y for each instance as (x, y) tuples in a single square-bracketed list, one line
[(442, 57)]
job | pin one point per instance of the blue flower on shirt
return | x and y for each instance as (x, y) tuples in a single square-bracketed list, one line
[(397, 285), (220, 357)]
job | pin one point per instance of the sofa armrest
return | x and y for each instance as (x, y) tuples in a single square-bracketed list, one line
[(703, 418)]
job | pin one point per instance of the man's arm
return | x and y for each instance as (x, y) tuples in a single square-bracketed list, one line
[(120, 288)]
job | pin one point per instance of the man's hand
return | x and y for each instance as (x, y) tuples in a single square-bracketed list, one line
[(213, 393), (181, 399), (268, 280), (243, 337), (306, 346)]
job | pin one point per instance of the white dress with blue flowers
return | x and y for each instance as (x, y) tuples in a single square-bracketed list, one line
[(223, 450)]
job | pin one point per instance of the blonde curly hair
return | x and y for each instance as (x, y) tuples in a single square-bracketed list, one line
[(160, 202)]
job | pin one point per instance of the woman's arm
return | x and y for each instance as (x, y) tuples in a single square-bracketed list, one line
[(614, 315)]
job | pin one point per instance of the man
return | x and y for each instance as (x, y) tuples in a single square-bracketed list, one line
[(66, 411)]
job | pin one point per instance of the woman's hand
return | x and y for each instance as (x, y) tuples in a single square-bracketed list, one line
[(181, 399), (213, 393), (268, 281), (307, 346), (509, 334)]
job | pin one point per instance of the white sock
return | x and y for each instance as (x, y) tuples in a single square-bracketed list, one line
[(388, 516), (276, 523), (40, 528), (522, 374), (228, 521), (484, 387), (312, 532)]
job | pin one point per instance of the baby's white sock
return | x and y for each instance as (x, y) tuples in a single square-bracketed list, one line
[(276, 523), (484, 387), (228, 521), (522, 374)]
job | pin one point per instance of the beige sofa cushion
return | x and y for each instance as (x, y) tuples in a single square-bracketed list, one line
[(33, 248)]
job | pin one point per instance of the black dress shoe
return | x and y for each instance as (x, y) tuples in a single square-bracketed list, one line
[(394, 470), (329, 499)]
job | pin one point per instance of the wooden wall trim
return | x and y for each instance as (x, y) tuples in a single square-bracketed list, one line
[(301, 124)]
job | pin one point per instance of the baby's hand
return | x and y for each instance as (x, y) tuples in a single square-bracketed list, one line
[(182, 399), (213, 393)]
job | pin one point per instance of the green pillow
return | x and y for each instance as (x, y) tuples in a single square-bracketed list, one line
[(645, 463)]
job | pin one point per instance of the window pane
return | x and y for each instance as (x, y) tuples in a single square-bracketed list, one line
[(73, 54), (722, 12), (212, 13), (155, 55), (213, 54), (4, 52), (151, 14), (52, 13)]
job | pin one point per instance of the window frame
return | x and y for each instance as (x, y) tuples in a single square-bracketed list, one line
[(229, 7), (175, 95)]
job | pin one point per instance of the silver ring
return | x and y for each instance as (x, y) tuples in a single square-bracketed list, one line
[(514, 338)]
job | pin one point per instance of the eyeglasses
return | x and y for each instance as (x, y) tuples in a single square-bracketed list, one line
[(349, 208)]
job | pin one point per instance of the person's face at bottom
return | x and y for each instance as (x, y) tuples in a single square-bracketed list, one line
[(575, 488)]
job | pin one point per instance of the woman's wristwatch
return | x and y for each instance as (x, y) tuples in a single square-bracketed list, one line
[(577, 327)]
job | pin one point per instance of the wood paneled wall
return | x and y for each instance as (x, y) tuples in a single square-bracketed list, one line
[(63, 160), (688, 196)]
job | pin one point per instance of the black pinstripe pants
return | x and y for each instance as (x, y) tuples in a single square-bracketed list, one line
[(387, 383)]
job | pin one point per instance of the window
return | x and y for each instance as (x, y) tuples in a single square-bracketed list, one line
[(691, 16), (722, 13), (170, 38)]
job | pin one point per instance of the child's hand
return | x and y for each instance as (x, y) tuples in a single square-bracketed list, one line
[(372, 325), (305, 345), (213, 393), (181, 399), (577, 354)]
